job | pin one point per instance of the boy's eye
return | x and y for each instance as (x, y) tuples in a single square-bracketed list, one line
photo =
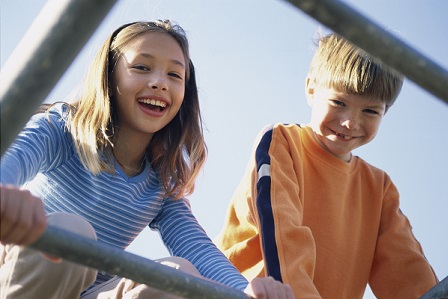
[(370, 111), (337, 103)]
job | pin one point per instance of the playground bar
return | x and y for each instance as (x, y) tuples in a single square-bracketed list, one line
[(439, 291), (42, 56), (115, 261), (380, 43)]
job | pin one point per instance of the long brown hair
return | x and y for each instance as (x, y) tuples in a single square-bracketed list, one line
[(177, 152)]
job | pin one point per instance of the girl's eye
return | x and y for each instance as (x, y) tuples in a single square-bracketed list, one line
[(176, 75), (141, 67)]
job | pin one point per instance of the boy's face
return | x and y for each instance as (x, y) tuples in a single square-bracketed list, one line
[(342, 122)]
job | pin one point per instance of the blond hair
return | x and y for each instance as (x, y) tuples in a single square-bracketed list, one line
[(177, 152), (340, 65)]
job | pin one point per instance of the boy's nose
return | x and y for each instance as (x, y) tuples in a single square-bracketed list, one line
[(351, 121)]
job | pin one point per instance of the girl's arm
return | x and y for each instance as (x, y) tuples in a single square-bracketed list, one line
[(184, 237), (36, 149), (43, 144)]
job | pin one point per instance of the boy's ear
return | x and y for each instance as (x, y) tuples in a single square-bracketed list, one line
[(310, 84)]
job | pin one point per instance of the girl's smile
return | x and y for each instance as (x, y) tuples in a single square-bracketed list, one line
[(153, 106), (149, 80)]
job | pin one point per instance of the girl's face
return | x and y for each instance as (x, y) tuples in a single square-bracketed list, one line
[(148, 84), (342, 122)]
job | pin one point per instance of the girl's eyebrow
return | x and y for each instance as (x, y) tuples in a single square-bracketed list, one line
[(175, 61)]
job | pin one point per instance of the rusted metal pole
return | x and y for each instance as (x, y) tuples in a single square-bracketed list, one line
[(90, 253)]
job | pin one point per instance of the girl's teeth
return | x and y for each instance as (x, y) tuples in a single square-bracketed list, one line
[(153, 102)]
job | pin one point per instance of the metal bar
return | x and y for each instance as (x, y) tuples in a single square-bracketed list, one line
[(87, 252), (43, 55), (439, 291), (380, 43)]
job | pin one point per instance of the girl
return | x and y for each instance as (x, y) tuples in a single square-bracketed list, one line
[(120, 158)]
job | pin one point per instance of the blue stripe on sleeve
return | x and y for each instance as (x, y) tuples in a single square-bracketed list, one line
[(265, 208)]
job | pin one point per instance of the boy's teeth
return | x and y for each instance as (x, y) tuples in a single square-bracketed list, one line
[(343, 136)]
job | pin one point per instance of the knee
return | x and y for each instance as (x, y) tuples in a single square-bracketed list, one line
[(181, 264), (27, 269), (72, 223)]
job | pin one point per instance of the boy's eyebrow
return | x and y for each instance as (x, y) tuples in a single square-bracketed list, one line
[(175, 61), (372, 104), (376, 104), (380, 105)]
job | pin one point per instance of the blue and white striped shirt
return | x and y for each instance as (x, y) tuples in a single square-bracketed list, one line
[(44, 160)]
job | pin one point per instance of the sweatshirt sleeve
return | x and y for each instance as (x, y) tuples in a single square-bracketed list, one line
[(288, 246), (400, 269), (264, 222)]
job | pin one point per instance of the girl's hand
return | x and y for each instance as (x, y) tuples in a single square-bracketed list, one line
[(268, 288), (22, 216)]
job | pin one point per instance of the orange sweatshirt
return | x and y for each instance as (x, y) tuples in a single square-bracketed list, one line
[(321, 225)]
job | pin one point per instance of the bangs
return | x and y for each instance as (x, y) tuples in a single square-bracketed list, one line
[(344, 67), (124, 36)]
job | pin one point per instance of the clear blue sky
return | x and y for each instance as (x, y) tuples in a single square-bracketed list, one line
[(252, 57)]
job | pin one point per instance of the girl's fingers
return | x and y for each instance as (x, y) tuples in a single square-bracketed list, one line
[(22, 217)]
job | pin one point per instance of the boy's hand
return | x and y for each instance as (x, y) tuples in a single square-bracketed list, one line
[(22, 216), (268, 288)]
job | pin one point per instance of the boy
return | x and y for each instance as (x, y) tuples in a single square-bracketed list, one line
[(313, 216)]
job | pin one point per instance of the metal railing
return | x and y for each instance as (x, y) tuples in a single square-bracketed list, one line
[(64, 35), (88, 252)]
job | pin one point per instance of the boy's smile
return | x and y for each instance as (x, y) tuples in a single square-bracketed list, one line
[(343, 122)]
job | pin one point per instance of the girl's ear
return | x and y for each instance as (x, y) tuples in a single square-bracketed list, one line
[(310, 84)]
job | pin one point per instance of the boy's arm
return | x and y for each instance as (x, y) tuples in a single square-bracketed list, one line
[(288, 247), (239, 239), (400, 269), (266, 222)]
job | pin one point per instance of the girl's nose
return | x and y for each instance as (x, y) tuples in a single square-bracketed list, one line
[(158, 82)]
